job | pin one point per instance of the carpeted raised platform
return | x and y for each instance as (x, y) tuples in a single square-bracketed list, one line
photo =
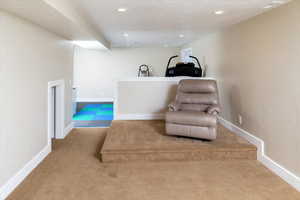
[(146, 141)]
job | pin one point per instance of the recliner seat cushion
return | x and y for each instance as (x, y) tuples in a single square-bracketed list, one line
[(193, 118), (192, 98), (194, 107)]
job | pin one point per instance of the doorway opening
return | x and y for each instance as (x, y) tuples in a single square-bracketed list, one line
[(93, 114), (55, 110)]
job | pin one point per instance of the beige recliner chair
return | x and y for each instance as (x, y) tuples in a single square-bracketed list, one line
[(194, 112)]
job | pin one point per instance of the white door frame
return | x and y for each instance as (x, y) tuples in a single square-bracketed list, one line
[(60, 109)]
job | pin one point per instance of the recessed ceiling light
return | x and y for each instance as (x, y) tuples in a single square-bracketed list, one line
[(268, 6), (125, 35), (219, 12), (122, 9), (181, 36)]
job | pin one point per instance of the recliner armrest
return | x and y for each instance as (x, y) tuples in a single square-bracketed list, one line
[(173, 107), (213, 110)]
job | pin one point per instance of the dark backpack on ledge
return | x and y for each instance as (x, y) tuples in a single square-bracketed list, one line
[(184, 69)]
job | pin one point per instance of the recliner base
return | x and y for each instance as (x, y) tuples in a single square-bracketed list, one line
[(207, 133)]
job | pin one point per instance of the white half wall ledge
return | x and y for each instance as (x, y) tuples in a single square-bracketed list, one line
[(275, 167), (166, 79), (157, 91), (20, 176), (94, 100)]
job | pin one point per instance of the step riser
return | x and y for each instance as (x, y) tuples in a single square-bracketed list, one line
[(188, 156)]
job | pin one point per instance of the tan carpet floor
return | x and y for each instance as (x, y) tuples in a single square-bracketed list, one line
[(74, 172)]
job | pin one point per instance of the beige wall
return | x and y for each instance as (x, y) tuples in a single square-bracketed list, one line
[(30, 57), (257, 64), (96, 72)]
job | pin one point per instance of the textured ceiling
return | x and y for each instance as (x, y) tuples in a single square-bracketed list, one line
[(160, 22)]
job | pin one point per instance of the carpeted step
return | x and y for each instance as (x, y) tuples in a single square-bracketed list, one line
[(129, 141)]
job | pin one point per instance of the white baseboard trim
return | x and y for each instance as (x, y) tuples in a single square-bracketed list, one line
[(276, 168), (248, 136), (140, 117), (13, 183), (94, 100), (68, 129)]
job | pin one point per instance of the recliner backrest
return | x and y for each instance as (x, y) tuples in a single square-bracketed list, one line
[(197, 95)]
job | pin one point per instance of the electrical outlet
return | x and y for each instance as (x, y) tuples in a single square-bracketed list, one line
[(240, 119)]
